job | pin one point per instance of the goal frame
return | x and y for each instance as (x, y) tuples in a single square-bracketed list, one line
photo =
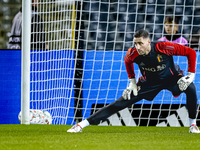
[(25, 61)]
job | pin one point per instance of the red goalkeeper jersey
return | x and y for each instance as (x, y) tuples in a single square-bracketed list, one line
[(158, 64)]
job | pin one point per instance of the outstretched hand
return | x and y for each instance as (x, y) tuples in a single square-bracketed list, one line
[(185, 81), (131, 88)]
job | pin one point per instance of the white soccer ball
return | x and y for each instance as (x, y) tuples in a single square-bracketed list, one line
[(47, 117), (38, 117), (20, 116)]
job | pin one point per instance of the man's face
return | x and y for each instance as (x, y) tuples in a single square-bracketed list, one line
[(143, 45), (171, 27)]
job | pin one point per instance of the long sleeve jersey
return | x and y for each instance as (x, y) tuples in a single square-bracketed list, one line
[(37, 33), (158, 65)]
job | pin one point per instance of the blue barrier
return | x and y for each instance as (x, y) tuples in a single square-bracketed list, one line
[(103, 82), (45, 75), (10, 82)]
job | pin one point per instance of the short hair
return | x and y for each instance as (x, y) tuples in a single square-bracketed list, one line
[(170, 19), (141, 33)]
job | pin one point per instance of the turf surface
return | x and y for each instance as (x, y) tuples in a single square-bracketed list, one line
[(39, 137)]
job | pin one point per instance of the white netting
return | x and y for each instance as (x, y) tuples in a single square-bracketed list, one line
[(83, 68), (52, 59)]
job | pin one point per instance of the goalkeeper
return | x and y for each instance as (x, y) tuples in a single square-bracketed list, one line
[(155, 61)]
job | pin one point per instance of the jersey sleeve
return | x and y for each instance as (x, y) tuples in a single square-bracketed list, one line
[(129, 59), (169, 48)]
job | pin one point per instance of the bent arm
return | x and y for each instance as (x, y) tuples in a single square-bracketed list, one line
[(129, 58), (179, 50)]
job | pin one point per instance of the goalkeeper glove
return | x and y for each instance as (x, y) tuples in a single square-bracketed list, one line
[(185, 81), (132, 87)]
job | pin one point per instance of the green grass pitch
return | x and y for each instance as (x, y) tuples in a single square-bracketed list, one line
[(45, 137)]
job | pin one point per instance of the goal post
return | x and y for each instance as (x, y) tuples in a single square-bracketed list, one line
[(25, 61), (83, 68)]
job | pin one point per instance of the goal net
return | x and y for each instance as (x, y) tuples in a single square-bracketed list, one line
[(81, 69)]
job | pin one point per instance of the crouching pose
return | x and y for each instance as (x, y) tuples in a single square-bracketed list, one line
[(159, 72)]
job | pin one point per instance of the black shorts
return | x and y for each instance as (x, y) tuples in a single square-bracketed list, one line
[(149, 91)]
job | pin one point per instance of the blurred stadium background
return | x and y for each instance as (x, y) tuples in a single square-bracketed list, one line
[(128, 16)]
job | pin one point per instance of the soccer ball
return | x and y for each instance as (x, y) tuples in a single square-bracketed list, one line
[(20, 115), (47, 117), (38, 117)]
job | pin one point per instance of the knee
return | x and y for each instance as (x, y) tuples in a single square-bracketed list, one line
[(191, 88)]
